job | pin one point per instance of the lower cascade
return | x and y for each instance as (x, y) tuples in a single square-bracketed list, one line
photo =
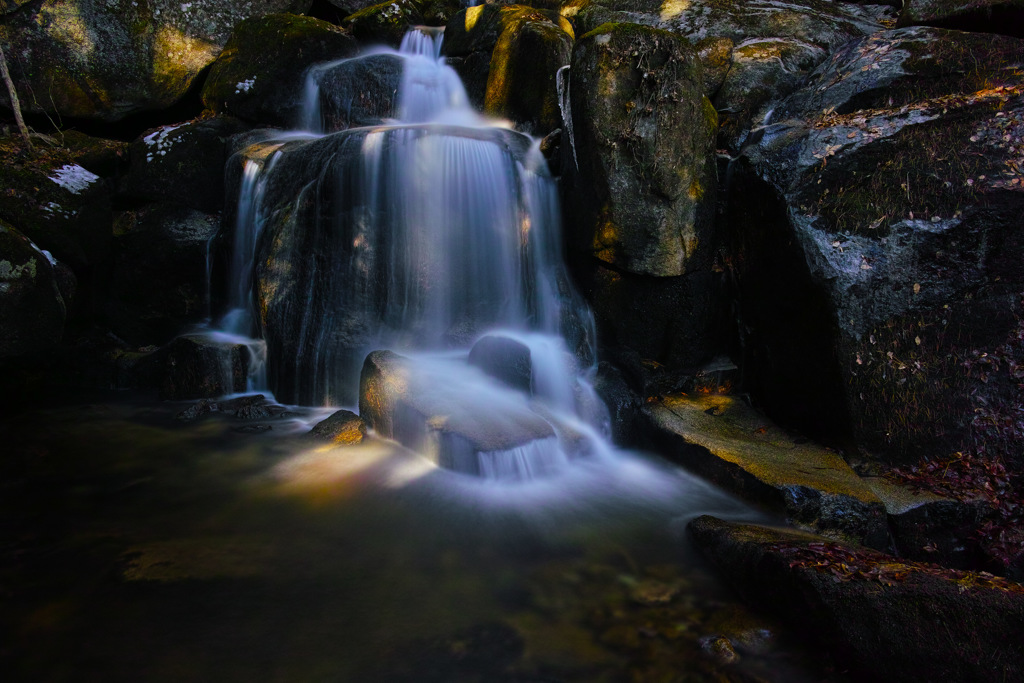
[(433, 233)]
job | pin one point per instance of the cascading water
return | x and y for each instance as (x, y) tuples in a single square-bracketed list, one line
[(419, 234)]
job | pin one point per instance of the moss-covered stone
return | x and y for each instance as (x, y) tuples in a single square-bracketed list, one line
[(643, 196), (32, 309), (521, 80), (105, 60), (258, 76), (57, 204)]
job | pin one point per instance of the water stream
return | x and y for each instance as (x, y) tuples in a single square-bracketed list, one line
[(143, 548)]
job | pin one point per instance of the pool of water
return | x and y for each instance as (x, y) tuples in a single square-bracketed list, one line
[(134, 547)]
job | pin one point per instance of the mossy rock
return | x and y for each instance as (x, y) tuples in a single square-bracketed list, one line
[(258, 76), (471, 47), (32, 308), (57, 204), (642, 198), (983, 16), (521, 80), (386, 22), (105, 60)]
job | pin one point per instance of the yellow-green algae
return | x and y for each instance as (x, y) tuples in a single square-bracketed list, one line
[(735, 433)]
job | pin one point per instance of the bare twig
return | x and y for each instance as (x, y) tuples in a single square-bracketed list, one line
[(15, 104)]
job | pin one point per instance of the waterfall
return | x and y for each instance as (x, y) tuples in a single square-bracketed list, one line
[(421, 232)]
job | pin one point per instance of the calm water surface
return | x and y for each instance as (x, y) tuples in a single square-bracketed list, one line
[(136, 547)]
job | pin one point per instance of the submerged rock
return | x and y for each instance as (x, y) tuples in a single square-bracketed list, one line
[(105, 60), (504, 359), (258, 76), (876, 614), (720, 438), (447, 419)]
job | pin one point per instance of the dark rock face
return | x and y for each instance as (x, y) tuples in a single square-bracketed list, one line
[(198, 366), (105, 60), (983, 16), (259, 75), (182, 163), (32, 308), (887, 199), (880, 626), (158, 277)]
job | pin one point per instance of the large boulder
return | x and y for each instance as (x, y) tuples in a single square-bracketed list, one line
[(32, 307), (158, 274), (59, 205), (643, 197), (181, 163), (107, 59), (884, 618), (258, 75), (874, 226)]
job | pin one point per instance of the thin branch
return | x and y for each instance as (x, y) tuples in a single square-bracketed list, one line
[(15, 103)]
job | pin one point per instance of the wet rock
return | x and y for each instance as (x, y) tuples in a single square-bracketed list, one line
[(259, 77), (877, 615), (60, 206), (32, 308), (445, 422), (106, 158), (637, 101), (720, 649), (358, 92), (622, 400), (105, 60), (342, 427), (984, 16), (254, 407), (721, 438), (182, 163), (158, 276), (867, 261), (386, 22), (198, 366), (504, 359)]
